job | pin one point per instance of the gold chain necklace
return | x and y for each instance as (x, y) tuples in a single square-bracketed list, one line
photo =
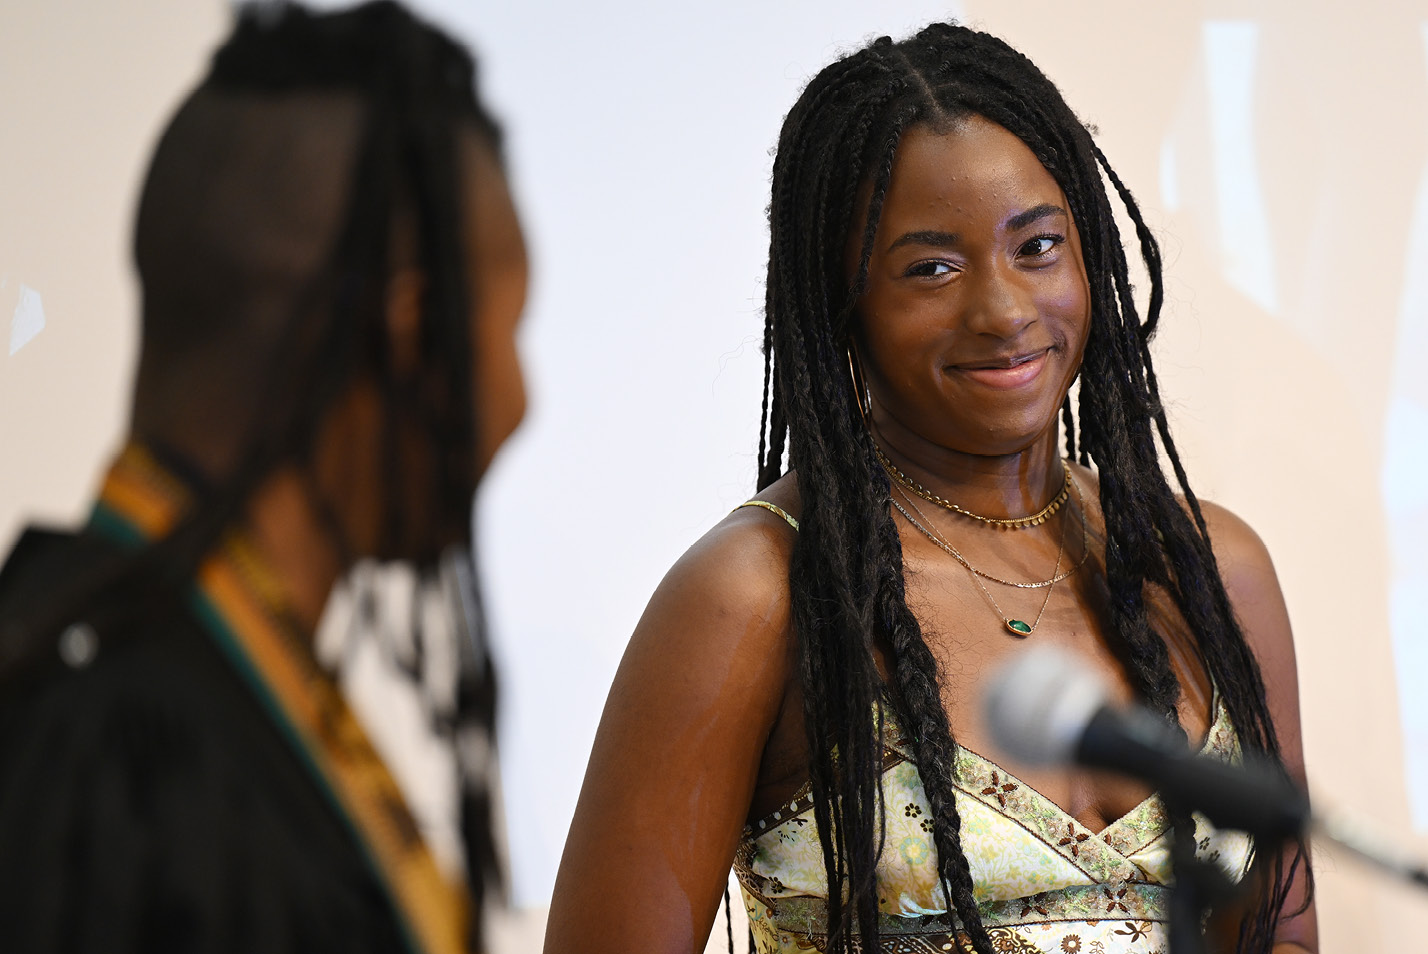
[(1003, 523), (936, 537), (1018, 628)]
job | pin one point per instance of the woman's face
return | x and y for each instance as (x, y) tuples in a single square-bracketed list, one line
[(976, 311)]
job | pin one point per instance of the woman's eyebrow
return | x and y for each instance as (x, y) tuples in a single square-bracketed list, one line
[(929, 237), (939, 239), (1022, 219)]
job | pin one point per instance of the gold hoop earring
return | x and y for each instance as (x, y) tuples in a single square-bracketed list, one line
[(862, 397)]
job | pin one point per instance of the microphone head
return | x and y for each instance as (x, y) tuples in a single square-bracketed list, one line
[(1038, 705)]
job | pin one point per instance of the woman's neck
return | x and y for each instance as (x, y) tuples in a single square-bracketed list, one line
[(284, 524), (1004, 486)]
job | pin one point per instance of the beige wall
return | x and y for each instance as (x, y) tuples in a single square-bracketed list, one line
[(1280, 355), (84, 89)]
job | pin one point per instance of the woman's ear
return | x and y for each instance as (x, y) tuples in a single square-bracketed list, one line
[(406, 288)]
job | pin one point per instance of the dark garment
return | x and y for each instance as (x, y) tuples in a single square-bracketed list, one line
[(149, 803)]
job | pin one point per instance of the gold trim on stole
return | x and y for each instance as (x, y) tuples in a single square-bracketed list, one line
[(240, 600)]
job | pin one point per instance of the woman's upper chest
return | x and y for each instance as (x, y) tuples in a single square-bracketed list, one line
[(963, 623), (964, 626)]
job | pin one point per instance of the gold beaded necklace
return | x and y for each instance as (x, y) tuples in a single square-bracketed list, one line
[(1001, 523)]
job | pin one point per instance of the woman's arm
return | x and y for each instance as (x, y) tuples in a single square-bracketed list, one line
[(1254, 592), (677, 754)]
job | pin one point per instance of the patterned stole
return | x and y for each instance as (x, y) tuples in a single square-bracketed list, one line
[(240, 602)]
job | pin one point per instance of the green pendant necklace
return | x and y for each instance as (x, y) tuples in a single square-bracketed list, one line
[(1019, 628)]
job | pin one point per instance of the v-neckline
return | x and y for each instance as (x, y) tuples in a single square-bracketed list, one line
[(1102, 854)]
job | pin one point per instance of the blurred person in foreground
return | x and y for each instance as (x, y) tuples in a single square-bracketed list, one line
[(332, 271)]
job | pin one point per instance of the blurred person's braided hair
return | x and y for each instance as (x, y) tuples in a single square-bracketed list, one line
[(318, 150), (846, 575), (373, 99)]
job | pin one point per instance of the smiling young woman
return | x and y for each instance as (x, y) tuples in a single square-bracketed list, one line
[(801, 696), (975, 310)]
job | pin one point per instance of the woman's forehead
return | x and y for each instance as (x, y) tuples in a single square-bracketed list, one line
[(974, 166)]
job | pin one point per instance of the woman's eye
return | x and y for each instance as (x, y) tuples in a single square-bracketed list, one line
[(933, 269), (1041, 245)]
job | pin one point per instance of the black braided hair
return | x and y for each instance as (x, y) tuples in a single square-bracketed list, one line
[(416, 94), (418, 87), (846, 574)]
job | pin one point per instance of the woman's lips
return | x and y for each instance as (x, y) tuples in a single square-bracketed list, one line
[(1014, 373)]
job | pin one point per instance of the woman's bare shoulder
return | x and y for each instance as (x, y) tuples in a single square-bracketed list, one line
[(1250, 580), (743, 560), (677, 755), (724, 605), (1253, 587), (1245, 563)]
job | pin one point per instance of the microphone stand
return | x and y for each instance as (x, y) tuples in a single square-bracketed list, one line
[(1199, 886)]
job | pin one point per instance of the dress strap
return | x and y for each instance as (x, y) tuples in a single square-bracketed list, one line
[(772, 508)]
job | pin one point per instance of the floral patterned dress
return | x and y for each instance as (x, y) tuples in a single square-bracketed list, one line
[(1044, 883)]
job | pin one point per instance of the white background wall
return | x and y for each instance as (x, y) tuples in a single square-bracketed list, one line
[(1281, 149)]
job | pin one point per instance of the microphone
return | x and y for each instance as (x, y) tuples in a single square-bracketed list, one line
[(1048, 708)]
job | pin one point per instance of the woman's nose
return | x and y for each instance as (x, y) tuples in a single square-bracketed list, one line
[(1002, 303)]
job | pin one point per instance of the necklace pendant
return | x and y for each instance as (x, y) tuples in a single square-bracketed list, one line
[(1018, 628)]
